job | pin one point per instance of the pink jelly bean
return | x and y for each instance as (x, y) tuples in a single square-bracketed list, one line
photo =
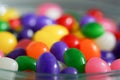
[(52, 10), (1, 54), (115, 65), (23, 43), (97, 65), (108, 24)]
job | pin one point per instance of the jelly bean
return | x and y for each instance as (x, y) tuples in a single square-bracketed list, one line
[(47, 63), (78, 34), (58, 50), (8, 64), (7, 42), (69, 70), (1, 54), (14, 23), (17, 52), (106, 42), (50, 34), (75, 27), (4, 26), (26, 63), (74, 58), (36, 49), (115, 64), (15, 33), (96, 65), (10, 14), (92, 30), (43, 21), (107, 56), (108, 24), (23, 43), (71, 40), (86, 19), (116, 50), (96, 13), (89, 49), (67, 21), (61, 65), (28, 20), (26, 33), (117, 35), (51, 10)]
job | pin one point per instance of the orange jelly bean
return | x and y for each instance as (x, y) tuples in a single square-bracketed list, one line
[(36, 49), (89, 49)]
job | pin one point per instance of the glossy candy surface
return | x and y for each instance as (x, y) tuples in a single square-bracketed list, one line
[(16, 53), (3, 26), (58, 50), (23, 43), (92, 30), (67, 21), (86, 19), (71, 40), (96, 65), (115, 65), (108, 56), (50, 34), (47, 63), (8, 64), (89, 49), (106, 42), (7, 42), (1, 54), (26, 63), (74, 58), (43, 21), (36, 49), (69, 70)]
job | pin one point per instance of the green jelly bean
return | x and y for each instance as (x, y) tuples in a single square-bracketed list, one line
[(92, 30), (26, 63), (74, 58), (4, 26)]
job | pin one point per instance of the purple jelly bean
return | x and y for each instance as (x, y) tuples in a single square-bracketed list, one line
[(47, 64), (116, 50), (69, 70), (28, 20), (26, 33), (86, 19), (107, 56), (58, 50), (17, 52), (43, 21)]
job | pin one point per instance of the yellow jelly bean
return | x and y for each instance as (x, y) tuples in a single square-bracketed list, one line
[(7, 42), (57, 30), (75, 27), (78, 34), (50, 34), (10, 14)]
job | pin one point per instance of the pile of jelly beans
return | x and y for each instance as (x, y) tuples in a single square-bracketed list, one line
[(54, 41)]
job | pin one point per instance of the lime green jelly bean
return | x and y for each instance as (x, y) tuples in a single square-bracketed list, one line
[(4, 26)]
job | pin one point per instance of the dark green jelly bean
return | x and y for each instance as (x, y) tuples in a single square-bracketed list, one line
[(92, 30), (26, 63), (74, 58)]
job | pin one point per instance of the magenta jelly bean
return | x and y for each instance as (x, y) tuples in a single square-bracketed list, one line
[(96, 65), (58, 50), (115, 65)]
